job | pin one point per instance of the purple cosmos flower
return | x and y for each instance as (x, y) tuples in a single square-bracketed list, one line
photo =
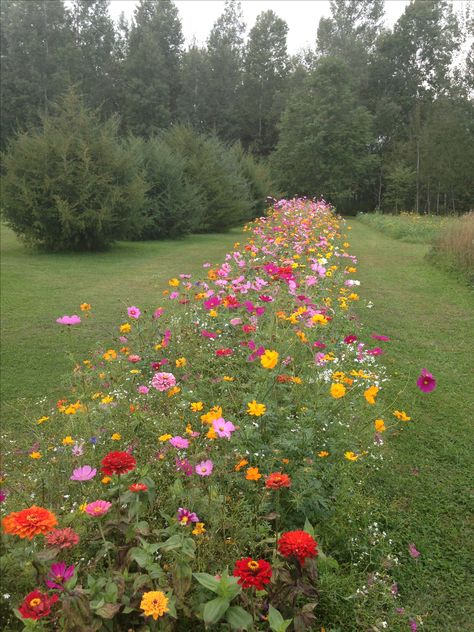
[(179, 442), (223, 428), (183, 465), (84, 473), (413, 625), (59, 574), (426, 382), (205, 468), (185, 516), (69, 320), (413, 551)]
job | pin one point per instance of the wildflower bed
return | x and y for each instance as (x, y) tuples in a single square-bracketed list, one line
[(191, 475)]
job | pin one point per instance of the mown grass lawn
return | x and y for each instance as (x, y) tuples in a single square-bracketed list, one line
[(37, 288), (424, 489)]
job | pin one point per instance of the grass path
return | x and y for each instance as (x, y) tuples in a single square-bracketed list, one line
[(37, 288), (425, 488)]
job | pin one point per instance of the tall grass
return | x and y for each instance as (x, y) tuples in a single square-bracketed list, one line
[(453, 248), (408, 227)]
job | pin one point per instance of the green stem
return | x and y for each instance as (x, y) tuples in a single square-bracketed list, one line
[(105, 544)]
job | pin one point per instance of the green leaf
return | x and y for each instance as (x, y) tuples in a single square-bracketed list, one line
[(238, 618), (208, 581), (214, 610), (140, 556), (276, 621), (108, 610), (308, 527)]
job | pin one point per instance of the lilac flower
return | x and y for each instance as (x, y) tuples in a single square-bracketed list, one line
[(413, 551), (205, 468), (179, 442), (69, 320), (59, 574), (223, 428), (84, 473), (185, 516), (78, 449), (426, 382)]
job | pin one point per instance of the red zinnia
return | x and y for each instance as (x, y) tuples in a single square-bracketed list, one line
[(118, 463), (299, 544), (252, 573), (28, 523), (276, 480), (36, 605), (62, 538), (138, 487)]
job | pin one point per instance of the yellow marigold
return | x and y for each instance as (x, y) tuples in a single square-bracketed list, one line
[(255, 409), (213, 313), (41, 420), (106, 480), (212, 415), (125, 328), (165, 437), (296, 380), (116, 436), (35, 455), (180, 362), (196, 406), (353, 297), (323, 453), (351, 456), (302, 336), (110, 354), (85, 307), (212, 275), (173, 391), (281, 315), (242, 463), (401, 415), (252, 474), (338, 390), (371, 393), (319, 319), (154, 604), (380, 425), (173, 282), (199, 529), (68, 440), (269, 359), (108, 399), (211, 433), (338, 376), (125, 350)]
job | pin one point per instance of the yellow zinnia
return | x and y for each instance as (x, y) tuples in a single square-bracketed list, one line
[(338, 390), (154, 604)]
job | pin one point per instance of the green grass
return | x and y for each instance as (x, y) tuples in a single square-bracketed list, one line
[(422, 492), (37, 288), (408, 227)]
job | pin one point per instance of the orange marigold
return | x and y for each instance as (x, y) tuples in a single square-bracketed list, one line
[(28, 523)]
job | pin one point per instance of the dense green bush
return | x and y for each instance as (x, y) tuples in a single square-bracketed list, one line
[(257, 175), (173, 204), (72, 185), (214, 169)]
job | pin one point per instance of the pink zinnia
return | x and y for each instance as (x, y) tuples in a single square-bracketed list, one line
[(163, 381), (204, 468), (426, 382), (133, 312), (62, 538), (223, 428), (59, 574), (179, 442), (134, 358), (84, 473), (69, 320), (98, 508), (143, 390)]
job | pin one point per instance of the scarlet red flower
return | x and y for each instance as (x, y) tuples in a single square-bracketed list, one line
[(62, 538), (118, 463), (37, 605), (298, 544), (276, 480), (138, 487), (224, 352), (252, 572), (29, 522)]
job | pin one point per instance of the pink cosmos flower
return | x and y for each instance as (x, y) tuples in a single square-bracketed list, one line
[(204, 468), (375, 351), (235, 321), (426, 382), (59, 574), (208, 334), (98, 508), (133, 358), (413, 551), (173, 295), (350, 339), (143, 390), (84, 473), (380, 337), (163, 381), (183, 465), (3, 495), (185, 516), (319, 344), (123, 339), (223, 428), (133, 312), (158, 312), (179, 442), (69, 320)]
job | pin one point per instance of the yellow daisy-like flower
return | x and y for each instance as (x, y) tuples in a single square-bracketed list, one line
[(180, 362), (107, 400), (351, 456), (252, 474), (110, 354), (242, 463), (255, 409), (83, 507), (319, 319), (154, 604), (85, 307), (35, 455), (399, 414), (116, 436), (165, 437), (227, 378), (125, 328), (196, 406), (323, 454), (41, 420), (199, 529), (68, 440), (106, 480), (173, 391), (371, 393), (212, 313), (337, 390), (173, 282), (269, 359), (380, 425)]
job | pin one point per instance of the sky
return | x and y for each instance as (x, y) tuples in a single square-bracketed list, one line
[(302, 16)]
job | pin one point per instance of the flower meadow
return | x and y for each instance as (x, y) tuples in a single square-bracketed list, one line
[(192, 475)]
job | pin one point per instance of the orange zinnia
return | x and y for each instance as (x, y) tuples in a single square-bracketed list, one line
[(253, 474), (29, 522)]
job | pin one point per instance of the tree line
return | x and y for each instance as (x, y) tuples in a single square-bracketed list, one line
[(370, 117)]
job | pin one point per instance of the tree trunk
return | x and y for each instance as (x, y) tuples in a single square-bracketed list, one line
[(417, 203)]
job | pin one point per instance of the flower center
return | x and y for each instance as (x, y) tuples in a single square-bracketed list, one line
[(97, 510), (184, 519), (35, 602), (32, 518), (253, 565)]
